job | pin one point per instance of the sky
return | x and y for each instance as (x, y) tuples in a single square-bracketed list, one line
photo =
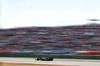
[(23, 13)]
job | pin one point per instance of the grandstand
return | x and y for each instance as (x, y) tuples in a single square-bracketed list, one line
[(83, 37)]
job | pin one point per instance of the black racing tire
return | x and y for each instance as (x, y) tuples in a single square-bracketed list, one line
[(51, 59), (37, 59)]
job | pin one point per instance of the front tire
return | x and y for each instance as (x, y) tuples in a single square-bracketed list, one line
[(37, 59)]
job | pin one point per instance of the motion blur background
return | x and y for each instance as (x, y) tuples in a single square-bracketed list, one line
[(49, 25)]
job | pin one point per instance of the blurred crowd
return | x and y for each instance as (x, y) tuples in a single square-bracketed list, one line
[(81, 38)]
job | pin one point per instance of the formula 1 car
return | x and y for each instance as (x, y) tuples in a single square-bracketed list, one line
[(45, 59)]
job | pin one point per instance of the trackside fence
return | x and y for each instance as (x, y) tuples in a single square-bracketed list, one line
[(54, 56)]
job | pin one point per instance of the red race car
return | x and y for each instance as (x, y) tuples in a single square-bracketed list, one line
[(45, 59)]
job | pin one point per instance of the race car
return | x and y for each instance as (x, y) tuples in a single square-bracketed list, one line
[(45, 59)]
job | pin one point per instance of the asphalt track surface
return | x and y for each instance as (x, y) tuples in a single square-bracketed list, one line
[(55, 61)]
